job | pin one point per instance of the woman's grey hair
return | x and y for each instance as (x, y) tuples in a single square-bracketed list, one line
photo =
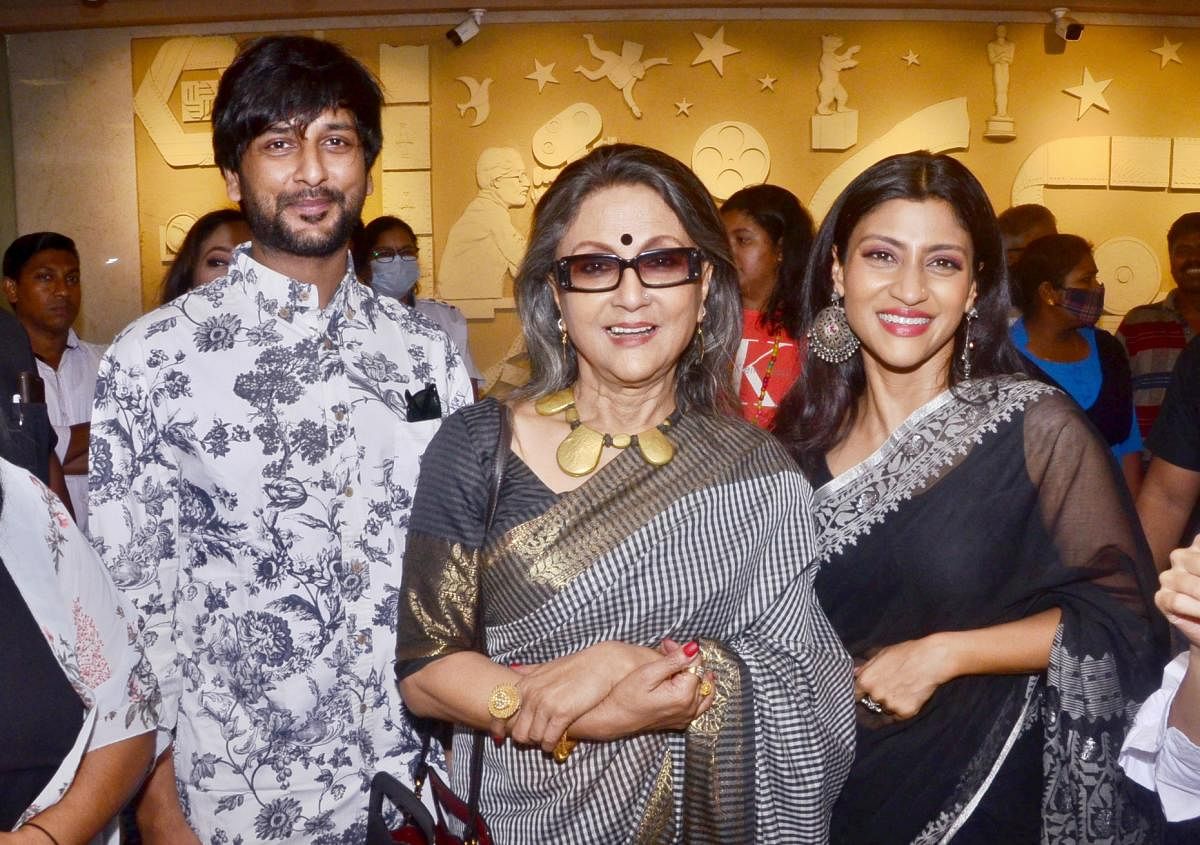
[(704, 374)]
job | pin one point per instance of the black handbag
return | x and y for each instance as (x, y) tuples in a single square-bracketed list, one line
[(419, 827)]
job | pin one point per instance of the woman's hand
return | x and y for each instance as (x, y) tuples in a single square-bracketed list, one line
[(555, 694), (661, 695), (902, 677), (1178, 596), (1179, 599)]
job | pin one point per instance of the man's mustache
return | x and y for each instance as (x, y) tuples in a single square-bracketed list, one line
[(311, 194)]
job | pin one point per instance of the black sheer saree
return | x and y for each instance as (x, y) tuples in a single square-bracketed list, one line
[(984, 508)]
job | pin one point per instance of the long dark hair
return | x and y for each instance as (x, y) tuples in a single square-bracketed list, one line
[(790, 225), (1048, 259), (822, 404), (704, 375), (181, 275)]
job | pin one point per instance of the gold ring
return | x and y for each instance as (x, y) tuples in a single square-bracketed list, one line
[(504, 701), (563, 748), (706, 689), (696, 670)]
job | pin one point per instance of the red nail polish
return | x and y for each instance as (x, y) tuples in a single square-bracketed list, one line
[(691, 648), (514, 665), (499, 740)]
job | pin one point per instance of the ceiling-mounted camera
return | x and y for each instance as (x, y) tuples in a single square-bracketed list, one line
[(1067, 27), (467, 29)]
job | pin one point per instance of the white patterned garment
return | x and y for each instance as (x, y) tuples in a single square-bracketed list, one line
[(87, 623), (252, 472)]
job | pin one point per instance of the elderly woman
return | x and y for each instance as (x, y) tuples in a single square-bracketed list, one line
[(78, 702), (636, 512), (978, 555)]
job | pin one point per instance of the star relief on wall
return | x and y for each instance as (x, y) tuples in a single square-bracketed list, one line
[(1168, 52), (910, 58), (767, 83), (542, 74), (714, 49), (683, 108), (1090, 93)]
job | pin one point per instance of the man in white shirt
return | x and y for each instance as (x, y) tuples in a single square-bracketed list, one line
[(41, 281), (255, 448), (1162, 750)]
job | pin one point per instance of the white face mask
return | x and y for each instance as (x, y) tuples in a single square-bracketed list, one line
[(395, 278)]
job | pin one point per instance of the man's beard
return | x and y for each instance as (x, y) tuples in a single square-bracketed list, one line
[(272, 230)]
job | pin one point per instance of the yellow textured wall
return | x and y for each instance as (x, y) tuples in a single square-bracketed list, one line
[(1144, 100)]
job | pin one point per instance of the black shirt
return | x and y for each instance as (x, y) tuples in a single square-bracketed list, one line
[(1176, 434), (26, 437)]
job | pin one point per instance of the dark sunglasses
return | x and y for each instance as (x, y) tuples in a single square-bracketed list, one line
[(657, 268)]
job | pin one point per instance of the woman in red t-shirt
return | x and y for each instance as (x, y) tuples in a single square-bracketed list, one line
[(770, 234)]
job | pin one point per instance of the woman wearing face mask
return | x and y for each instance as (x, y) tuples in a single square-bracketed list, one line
[(1061, 300), (385, 253)]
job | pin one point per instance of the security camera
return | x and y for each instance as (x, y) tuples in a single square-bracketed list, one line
[(1067, 28), (467, 29)]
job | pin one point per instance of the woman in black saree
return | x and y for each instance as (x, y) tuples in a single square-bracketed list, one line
[(978, 554), (682, 524)]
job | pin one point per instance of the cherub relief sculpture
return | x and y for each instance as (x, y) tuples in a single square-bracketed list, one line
[(623, 70), (830, 89)]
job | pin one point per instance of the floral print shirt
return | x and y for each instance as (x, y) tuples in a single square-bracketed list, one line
[(86, 621), (252, 469)]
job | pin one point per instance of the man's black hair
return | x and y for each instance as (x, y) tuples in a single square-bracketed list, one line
[(27, 246), (291, 79), (1186, 225)]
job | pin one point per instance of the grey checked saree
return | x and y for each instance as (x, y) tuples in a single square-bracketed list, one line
[(714, 546)]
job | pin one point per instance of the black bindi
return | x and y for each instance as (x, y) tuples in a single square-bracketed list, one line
[(626, 239)]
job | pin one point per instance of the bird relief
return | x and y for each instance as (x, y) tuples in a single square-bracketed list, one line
[(478, 98), (834, 126), (623, 71)]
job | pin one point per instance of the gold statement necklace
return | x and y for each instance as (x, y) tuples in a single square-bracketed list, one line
[(579, 453)]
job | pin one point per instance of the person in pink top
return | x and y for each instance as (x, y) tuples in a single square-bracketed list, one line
[(770, 234)]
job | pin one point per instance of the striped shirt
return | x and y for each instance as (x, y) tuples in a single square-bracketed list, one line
[(1153, 336)]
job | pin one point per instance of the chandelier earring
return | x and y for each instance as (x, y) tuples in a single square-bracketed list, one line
[(700, 341), (830, 338), (968, 344), (562, 333)]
